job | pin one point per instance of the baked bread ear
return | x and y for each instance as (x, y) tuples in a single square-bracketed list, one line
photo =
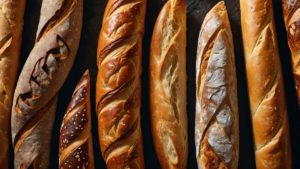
[(11, 26), (42, 76), (291, 11), (168, 86), (265, 86), (118, 87), (75, 143), (217, 126)]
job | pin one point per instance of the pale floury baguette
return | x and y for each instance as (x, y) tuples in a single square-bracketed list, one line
[(265, 86), (118, 87), (11, 26), (291, 11), (42, 76), (75, 143), (217, 126), (168, 86)]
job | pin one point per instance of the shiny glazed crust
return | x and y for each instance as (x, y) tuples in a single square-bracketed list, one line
[(168, 86), (217, 127), (75, 143), (42, 76), (265, 86), (118, 87)]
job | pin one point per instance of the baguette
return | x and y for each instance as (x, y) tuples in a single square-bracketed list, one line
[(42, 76), (217, 126), (265, 86), (11, 26), (118, 86), (168, 86), (291, 11), (75, 143)]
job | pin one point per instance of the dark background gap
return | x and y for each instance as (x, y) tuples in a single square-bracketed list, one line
[(197, 9)]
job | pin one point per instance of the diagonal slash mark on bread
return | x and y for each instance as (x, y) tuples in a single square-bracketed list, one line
[(61, 14), (5, 43), (75, 135), (216, 132), (118, 87)]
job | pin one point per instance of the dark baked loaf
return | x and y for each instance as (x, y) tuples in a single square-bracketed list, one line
[(167, 85), (265, 86), (291, 11), (217, 126), (75, 143), (118, 88), (11, 26), (42, 76)]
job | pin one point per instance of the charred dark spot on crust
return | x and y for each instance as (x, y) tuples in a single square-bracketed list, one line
[(66, 9), (73, 127), (41, 75), (294, 35), (79, 158)]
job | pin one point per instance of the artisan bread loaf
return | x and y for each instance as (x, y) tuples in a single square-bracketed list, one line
[(118, 87), (75, 143), (42, 76), (11, 26), (291, 11), (265, 86), (168, 86), (217, 126)]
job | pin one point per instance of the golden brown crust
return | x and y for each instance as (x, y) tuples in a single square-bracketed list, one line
[(118, 88), (168, 86), (11, 25), (217, 127), (291, 11), (41, 78), (265, 86), (75, 145)]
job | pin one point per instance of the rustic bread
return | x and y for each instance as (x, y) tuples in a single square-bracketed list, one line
[(265, 86), (118, 87), (42, 76), (11, 26), (75, 143), (217, 126), (291, 11), (168, 86)]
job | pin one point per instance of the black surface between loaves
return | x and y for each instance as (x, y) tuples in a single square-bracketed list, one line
[(197, 9)]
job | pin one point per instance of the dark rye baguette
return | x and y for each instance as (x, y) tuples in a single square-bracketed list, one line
[(42, 76), (118, 87), (265, 86), (168, 86), (217, 126), (75, 143), (11, 26), (291, 11)]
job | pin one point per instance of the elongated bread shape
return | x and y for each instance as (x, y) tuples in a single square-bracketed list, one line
[(42, 76), (11, 26), (265, 86), (168, 86), (217, 127), (291, 11), (118, 87), (75, 143)]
